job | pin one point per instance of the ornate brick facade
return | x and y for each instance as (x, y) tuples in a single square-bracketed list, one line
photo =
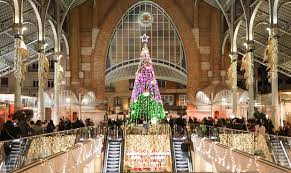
[(199, 32)]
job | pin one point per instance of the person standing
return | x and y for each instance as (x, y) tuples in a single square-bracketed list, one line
[(185, 149), (260, 128), (50, 127), (24, 128), (38, 129)]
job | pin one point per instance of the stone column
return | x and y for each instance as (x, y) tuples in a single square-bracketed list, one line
[(233, 57), (274, 76), (41, 81), (80, 105), (250, 54), (74, 43), (18, 74), (215, 51), (57, 88)]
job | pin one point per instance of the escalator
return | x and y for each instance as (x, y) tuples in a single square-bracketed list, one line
[(15, 154), (113, 157), (181, 161), (279, 151)]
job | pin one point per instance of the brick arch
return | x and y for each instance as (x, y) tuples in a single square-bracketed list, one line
[(183, 27)]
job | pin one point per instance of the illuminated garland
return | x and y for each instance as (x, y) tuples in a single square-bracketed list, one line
[(232, 73), (146, 100), (22, 52), (248, 65), (43, 70), (271, 57)]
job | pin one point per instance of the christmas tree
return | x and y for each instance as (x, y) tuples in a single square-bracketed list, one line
[(146, 102)]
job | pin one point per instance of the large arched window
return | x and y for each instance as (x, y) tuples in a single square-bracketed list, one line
[(165, 45)]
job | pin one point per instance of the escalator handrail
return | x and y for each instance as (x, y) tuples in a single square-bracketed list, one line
[(271, 148), (105, 146), (190, 163), (173, 154), (23, 154), (122, 151), (285, 153)]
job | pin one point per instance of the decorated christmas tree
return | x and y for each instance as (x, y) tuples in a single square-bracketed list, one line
[(146, 102)]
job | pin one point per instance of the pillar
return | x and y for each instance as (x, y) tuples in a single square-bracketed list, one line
[(125, 104), (74, 43), (273, 34), (215, 51), (18, 74), (250, 54), (41, 81), (80, 106), (233, 57), (57, 88)]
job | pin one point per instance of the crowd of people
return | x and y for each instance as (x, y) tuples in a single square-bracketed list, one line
[(262, 125), (259, 124), (12, 130)]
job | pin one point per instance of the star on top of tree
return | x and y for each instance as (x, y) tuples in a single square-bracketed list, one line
[(144, 38)]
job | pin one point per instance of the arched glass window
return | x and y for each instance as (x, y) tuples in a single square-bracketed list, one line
[(164, 43)]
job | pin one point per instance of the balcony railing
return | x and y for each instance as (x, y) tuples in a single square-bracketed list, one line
[(276, 149), (18, 153)]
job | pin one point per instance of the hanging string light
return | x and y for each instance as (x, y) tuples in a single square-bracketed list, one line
[(232, 73), (21, 52), (86, 152), (271, 57), (247, 66), (226, 158)]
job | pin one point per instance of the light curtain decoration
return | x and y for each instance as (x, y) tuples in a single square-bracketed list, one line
[(44, 69), (271, 57), (247, 65), (22, 49), (150, 153), (45, 146), (21, 54), (232, 73), (225, 156), (152, 129)]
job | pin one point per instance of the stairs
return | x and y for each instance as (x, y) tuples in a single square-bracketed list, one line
[(113, 156), (280, 155), (14, 158), (181, 163)]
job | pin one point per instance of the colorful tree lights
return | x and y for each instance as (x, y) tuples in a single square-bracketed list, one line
[(146, 102)]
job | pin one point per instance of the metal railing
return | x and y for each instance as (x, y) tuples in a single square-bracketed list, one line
[(249, 142), (18, 153)]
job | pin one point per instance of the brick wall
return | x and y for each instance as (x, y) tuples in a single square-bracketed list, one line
[(91, 28)]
